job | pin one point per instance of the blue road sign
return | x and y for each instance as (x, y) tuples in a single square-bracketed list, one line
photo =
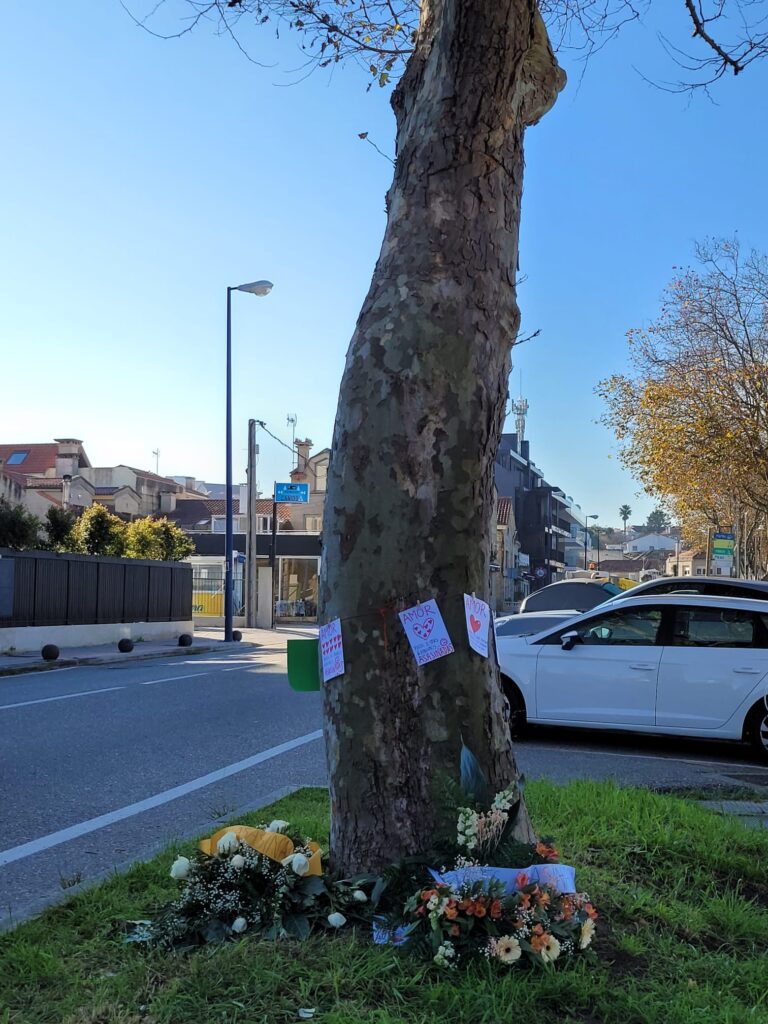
[(296, 494)]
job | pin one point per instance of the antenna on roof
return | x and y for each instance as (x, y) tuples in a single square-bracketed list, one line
[(291, 421), (156, 453)]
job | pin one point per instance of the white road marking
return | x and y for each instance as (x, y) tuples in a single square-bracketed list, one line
[(238, 668), (170, 679), (644, 757), (103, 820), (63, 696)]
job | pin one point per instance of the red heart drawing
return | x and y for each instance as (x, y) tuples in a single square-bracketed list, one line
[(474, 623), (423, 629)]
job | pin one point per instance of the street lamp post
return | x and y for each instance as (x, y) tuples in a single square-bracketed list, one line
[(586, 538), (254, 288)]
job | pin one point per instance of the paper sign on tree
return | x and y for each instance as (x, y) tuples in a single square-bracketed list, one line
[(426, 632), (478, 616), (331, 650)]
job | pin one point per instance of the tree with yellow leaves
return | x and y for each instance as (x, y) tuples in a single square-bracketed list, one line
[(692, 415)]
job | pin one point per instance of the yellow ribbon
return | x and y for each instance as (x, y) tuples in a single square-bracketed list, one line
[(274, 845)]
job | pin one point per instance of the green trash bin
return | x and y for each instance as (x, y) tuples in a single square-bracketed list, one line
[(303, 671)]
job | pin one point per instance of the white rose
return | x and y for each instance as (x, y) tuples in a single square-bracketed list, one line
[(360, 896), (277, 825), (336, 920), (180, 867), (239, 925), (300, 864), (238, 861), (227, 843)]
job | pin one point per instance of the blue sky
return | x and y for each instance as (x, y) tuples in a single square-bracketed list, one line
[(141, 176)]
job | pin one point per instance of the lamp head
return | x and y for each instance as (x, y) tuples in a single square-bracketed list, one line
[(256, 287)]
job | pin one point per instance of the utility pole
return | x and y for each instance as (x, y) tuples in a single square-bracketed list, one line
[(273, 554), (156, 453), (708, 568), (252, 555)]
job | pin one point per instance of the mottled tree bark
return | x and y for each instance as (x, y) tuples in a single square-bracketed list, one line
[(410, 488)]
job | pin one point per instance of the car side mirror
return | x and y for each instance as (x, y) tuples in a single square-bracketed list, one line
[(567, 640)]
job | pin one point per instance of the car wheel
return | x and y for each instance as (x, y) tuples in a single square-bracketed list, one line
[(757, 729), (517, 716)]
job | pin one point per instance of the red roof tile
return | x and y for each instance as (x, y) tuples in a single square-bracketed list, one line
[(503, 511), (40, 457)]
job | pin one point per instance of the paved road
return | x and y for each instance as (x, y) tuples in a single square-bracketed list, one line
[(102, 766)]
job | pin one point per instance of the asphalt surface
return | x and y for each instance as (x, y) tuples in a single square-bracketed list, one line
[(103, 766)]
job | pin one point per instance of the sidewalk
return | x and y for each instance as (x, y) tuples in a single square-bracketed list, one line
[(205, 641), (106, 654), (753, 813)]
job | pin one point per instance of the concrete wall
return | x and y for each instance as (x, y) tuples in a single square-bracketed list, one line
[(33, 638)]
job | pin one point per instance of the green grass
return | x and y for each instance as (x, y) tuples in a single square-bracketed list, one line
[(683, 939)]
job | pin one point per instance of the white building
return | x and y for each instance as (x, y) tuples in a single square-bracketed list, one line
[(651, 542)]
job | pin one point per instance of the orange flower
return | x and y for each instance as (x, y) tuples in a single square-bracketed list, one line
[(427, 894), (480, 910), (451, 912), (544, 899), (546, 851), (538, 942), (496, 910), (525, 901), (522, 880), (538, 929), (590, 911), (455, 930)]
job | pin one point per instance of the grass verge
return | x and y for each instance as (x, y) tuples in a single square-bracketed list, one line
[(683, 939)]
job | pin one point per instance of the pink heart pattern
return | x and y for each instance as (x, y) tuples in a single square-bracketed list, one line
[(424, 629)]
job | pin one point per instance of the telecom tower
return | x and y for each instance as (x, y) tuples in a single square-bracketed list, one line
[(520, 409)]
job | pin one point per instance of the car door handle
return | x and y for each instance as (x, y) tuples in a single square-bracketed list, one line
[(749, 671), (641, 667)]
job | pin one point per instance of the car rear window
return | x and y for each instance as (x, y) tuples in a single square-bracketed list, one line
[(612, 589)]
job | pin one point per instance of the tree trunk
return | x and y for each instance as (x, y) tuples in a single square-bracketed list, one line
[(409, 506)]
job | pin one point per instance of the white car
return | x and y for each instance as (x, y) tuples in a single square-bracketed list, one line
[(677, 664)]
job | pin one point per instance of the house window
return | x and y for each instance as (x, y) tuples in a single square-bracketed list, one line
[(699, 572), (265, 524), (16, 458), (313, 524), (321, 476)]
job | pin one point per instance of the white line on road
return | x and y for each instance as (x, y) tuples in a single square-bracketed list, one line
[(643, 757), (170, 679), (103, 820), (63, 696)]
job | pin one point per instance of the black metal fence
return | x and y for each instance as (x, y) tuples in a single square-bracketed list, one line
[(43, 588)]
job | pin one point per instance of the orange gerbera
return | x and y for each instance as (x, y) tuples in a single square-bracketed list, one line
[(538, 942), (496, 909), (451, 912)]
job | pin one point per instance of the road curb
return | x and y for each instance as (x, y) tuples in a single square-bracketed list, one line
[(100, 659)]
